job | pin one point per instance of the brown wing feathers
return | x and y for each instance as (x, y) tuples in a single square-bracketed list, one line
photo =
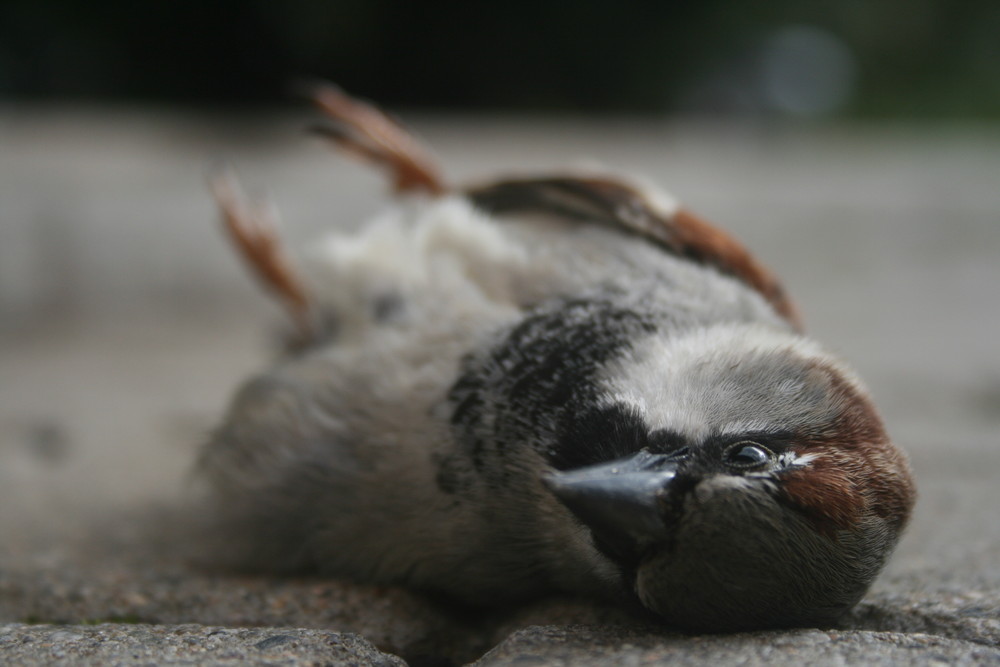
[(611, 202), (365, 131)]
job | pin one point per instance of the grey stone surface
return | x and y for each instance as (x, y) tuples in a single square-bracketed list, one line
[(586, 646), (125, 324), (109, 644), (971, 615), (130, 574)]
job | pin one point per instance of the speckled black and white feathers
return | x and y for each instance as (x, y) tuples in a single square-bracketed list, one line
[(537, 382)]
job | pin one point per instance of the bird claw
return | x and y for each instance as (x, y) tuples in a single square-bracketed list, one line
[(253, 229), (364, 130)]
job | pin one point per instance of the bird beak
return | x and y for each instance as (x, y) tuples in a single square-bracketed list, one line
[(623, 501)]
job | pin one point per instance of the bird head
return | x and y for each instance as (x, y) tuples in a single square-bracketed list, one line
[(759, 487)]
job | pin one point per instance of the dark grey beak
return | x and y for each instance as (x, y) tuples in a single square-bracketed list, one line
[(622, 502)]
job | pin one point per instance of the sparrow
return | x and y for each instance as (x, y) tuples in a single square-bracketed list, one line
[(561, 382)]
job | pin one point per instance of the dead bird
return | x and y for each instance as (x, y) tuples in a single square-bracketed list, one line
[(556, 382)]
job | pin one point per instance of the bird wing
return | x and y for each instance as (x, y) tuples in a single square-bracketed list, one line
[(362, 129), (619, 204)]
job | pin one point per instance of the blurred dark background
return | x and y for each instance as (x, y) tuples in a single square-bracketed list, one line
[(934, 59)]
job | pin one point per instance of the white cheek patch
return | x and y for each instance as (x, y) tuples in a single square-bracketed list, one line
[(697, 382), (675, 378)]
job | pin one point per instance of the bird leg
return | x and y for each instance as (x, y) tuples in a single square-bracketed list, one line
[(367, 132), (253, 229)]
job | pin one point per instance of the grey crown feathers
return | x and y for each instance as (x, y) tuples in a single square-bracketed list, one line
[(556, 383)]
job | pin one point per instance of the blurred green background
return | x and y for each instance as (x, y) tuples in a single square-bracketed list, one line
[(846, 58)]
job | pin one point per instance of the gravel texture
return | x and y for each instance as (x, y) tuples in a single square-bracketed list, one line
[(585, 646), (125, 325), (108, 644)]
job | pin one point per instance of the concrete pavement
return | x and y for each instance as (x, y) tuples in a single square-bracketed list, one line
[(125, 323)]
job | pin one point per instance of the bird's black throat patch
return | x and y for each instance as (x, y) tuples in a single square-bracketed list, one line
[(535, 387)]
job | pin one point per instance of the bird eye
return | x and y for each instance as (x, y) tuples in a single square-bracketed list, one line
[(747, 454)]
